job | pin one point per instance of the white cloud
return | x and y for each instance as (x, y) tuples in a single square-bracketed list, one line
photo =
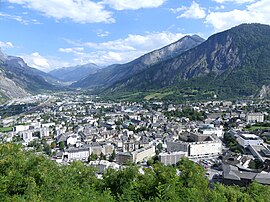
[(194, 11), (19, 19), (102, 33), (122, 50), (6, 44), (79, 11), (133, 4), (43, 63), (75, 50), (234, 1), (257, 12)]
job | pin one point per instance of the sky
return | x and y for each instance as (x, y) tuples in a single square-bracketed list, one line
[(50, 34)]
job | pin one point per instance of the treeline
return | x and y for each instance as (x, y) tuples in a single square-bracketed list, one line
[(24, 176)]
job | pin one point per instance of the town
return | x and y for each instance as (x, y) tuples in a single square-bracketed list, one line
[(230, 139)]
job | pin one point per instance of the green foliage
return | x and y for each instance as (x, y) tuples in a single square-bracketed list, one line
[(255, 164), (92, 157), (231, 142), (25, 176), (5, 129), (159, 148), (47, 149), (102, 156), (188, 113), (61, 145), (112, 156)]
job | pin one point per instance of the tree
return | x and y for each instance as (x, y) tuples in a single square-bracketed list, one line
[(47, 149), (159, 148), (92, 157), (150, 162), (102, 156), (53, 145), (131, 127), (61, 145), (112, 156)]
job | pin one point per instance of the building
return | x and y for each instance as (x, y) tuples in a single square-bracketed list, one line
[(73, 139), (124, 157), (44, 132), (171, 158), (246, 140), (20, 128), (260, 152), (27, 136), (76, 153), (205, 148), (103, 165), (255, 117), (202, 145), (232, 175), (209, 129), (136, 156), (144, 154)]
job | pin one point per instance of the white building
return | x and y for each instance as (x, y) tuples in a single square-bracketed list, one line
[(209, 129), (171, 158), (202, 145), (206, 148), (77, 153), (27, 136), (44, 132), (143, 154), (255, 117), (135, 156), (20, 128), (47, 125), (249, 139), (72, 139)]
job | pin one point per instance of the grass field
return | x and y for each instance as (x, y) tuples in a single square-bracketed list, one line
[(5, 129), (157, 95), (253, 128)]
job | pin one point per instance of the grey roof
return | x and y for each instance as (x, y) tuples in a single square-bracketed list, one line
[(62, 138), (263, 178), (232, 173), (85, 147)]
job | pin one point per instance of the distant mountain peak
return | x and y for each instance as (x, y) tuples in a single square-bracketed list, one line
[(115, 73), (74, 73)]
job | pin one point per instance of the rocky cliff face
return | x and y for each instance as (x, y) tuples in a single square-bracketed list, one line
[(17, 79), (236, 60), (115, 73), (9, 88)]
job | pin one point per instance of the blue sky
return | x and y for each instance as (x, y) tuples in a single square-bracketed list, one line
[(49, 34)]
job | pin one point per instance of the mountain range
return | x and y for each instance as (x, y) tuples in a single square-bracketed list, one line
[(76, 73), (230, 64), (114, 73)]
